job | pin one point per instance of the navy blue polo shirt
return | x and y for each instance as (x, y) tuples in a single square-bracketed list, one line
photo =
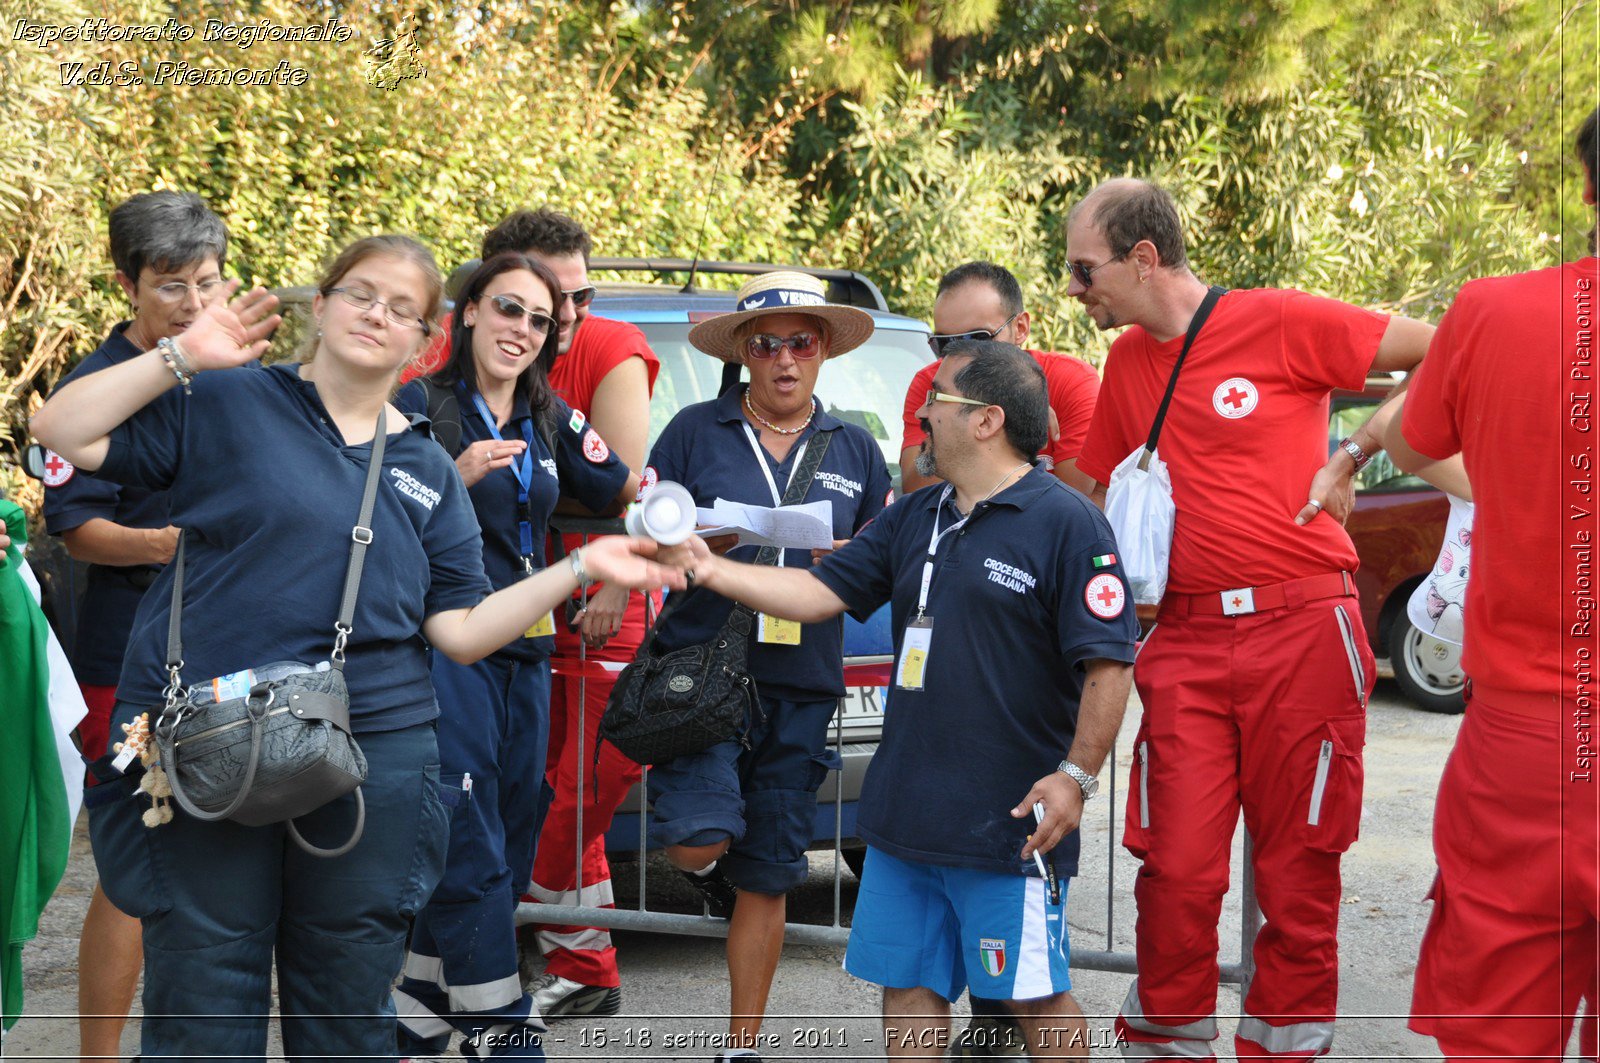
[(71, 500), (583, 468), (705, 449), (1022, 595), (267, 492)]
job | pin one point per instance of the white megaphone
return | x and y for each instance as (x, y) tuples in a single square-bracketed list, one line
[(666, 514)]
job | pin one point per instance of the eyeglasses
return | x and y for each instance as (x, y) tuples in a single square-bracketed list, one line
[(402, 315), (764, 345), (1084, 275), (935, 395), (174, 292), (940, 340), (581, 296), (509, 308)]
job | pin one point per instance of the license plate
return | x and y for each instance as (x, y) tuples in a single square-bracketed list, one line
[(863, 706)]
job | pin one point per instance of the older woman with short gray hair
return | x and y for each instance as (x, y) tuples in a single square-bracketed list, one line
[(168, 249)]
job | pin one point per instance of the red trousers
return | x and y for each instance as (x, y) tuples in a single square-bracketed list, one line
[(583, 954), (1266, 713), (1513, 941)]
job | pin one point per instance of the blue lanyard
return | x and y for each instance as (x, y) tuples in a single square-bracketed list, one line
[(524, 475)]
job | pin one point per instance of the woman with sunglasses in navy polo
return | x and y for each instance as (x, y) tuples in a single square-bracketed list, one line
[(737, 818), (518, 448)]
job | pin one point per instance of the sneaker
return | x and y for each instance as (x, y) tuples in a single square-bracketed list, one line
[(736, 1056), (556, 997), (718, 892), (989, 1037)]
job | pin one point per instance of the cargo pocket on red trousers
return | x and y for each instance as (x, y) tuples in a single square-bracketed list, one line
[(1333, 813), (1136, 830)]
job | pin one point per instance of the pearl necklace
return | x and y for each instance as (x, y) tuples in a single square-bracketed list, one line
[(769, 425)]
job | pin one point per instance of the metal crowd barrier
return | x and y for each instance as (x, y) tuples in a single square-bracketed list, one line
[(871, 672)]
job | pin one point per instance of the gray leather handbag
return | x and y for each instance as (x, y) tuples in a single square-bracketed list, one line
[(283, 747)]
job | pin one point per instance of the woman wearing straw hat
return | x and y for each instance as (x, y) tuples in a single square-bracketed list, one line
[(736, 818)]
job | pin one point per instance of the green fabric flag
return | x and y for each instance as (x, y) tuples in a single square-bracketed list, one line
[(35, 824)]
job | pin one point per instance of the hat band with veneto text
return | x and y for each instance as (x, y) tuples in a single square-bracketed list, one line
[(776, 297)]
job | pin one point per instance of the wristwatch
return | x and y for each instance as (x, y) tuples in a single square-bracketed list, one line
[(575, 559), (1086, 782), (1352, 448)]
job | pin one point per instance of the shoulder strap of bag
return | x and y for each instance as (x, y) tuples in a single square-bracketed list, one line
[(361, 538), (444, 415), (1195, 324)]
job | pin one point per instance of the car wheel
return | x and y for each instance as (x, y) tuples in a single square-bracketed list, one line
[(854, 859), (1427, 669)]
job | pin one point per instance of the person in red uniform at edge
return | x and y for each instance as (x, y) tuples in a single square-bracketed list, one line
[(1255, 679), (983, 301), (169, 250), (607, 370), (1513, 941)]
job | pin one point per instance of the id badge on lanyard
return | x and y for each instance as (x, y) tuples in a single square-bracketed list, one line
[(774, 630), (916, 647), (523, 471)]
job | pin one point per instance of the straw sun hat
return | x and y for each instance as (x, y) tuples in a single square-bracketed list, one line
[(783, 292)]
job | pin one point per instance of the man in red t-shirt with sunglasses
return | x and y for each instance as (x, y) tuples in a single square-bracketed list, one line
[(1255, 679)]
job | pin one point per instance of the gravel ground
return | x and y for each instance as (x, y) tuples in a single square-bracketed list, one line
[(674, 987)]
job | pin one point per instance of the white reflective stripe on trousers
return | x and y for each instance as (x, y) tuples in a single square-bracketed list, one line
[(589, 939), (1191, 1040), (484, 996), (1295, 1038), (416, 1018), (596, 895)]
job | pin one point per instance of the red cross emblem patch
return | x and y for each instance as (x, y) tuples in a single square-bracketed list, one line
[(1105, 597), (594, 448), (1234, 398), (57, 470), (647, 480)]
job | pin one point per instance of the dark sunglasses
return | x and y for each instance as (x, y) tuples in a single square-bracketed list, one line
[(764, 345), (581, 296), (1084, 275), (939, 341), (510, 309)]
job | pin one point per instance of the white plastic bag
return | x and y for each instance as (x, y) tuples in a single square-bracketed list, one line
[(1140, 509), (1436, 606)]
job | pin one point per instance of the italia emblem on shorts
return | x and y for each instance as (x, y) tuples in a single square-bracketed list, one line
[(1105, 597), (57, 470), (993, 951), (594, 448), (1234, 397)]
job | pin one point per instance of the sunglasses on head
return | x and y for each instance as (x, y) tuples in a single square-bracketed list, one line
[(1084, 275), (764, 345), (940, 340), (581, 296), (510, 309)]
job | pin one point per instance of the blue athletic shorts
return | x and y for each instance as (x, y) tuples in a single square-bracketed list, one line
[(947, 928)]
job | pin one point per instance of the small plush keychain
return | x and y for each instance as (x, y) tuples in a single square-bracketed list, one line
[(155, 781)]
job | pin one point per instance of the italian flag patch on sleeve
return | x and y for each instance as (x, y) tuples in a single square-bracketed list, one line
[(1104, 560)]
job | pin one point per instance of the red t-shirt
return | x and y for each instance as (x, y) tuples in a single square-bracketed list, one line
[(1072, 385), (1508, 383), (599, 347), (1246, 432)]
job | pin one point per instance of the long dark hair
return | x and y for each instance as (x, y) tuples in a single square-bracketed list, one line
[(534, 382)]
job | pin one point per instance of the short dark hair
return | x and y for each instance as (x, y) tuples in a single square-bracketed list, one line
[(1130, 211), (540, 232), (165, 231), (1005, 375), (533, 383), (997, 277)]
